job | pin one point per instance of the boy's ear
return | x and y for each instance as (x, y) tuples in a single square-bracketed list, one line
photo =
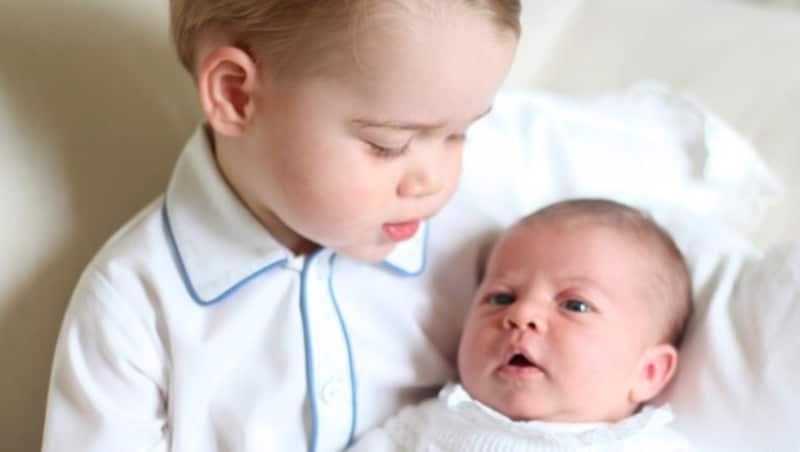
[(227, 80), (654, 370)]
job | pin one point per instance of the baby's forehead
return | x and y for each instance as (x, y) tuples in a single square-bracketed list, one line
[(575, 252), (551, 231), (585, 252)]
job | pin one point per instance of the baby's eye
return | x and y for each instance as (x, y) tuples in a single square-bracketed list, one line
[(501, 299), (576, 306)]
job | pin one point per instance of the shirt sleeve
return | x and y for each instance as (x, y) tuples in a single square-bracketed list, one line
[(107, 388)]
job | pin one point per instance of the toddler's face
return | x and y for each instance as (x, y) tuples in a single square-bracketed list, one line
[(355, 161), (559, 324)]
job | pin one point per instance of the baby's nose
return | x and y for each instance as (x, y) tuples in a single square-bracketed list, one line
[(524, 315)]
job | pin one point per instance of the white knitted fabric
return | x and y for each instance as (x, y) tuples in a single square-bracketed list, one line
[(455, 422)]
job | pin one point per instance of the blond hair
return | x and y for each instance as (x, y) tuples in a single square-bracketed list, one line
[(292, 33), (671, 279)]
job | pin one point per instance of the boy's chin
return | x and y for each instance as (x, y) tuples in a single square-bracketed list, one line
[(368, 253)]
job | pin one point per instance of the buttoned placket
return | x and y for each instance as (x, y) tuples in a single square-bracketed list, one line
[(330, 378)]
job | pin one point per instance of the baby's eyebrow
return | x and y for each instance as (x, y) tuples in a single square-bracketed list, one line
[(409, 125)]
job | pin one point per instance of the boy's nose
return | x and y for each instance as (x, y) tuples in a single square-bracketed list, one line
[(419, 182), (524, 315)]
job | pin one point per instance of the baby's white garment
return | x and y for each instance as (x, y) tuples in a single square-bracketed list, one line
[(454, 422)]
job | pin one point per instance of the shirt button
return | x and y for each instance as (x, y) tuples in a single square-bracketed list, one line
[(333, 391)]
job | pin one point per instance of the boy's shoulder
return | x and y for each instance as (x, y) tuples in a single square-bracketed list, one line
[(140, 241), (144, 251), (136, 248), (120, 288)]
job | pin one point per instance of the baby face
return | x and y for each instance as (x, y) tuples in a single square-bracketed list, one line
[(354, 159), (559, 325)]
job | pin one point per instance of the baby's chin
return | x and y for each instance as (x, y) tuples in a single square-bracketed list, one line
[(527, 408), (526, 414)]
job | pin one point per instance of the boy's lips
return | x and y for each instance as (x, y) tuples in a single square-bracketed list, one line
[(401, 231)]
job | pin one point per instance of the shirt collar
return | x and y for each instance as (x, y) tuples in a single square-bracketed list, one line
[(219, 246)]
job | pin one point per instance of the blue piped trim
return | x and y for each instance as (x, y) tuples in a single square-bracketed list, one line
[(185, 275), (422, 267), (350, 361), (310, 390)]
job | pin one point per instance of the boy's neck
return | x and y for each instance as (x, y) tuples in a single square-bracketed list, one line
[(223, 149)]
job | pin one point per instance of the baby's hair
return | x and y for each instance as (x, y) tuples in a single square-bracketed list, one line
[(293, 34), (671, 279)]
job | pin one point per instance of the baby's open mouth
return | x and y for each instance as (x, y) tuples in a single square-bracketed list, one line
[(520, 365), (519, 360)]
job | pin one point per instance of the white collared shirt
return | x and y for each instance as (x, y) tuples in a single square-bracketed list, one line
[(194, 329)]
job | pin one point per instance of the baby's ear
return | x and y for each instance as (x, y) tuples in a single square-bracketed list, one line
[(226, 81), (654, 370)]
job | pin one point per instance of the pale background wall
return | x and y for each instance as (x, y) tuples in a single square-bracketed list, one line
[(739, 61), (776, 3), (92, 113)]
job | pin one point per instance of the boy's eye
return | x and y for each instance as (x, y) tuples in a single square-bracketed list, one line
[(501, 299), (576, 306), (386, 152), (457, 137)]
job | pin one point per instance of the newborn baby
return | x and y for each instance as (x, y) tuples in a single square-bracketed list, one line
[(576, 324)]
